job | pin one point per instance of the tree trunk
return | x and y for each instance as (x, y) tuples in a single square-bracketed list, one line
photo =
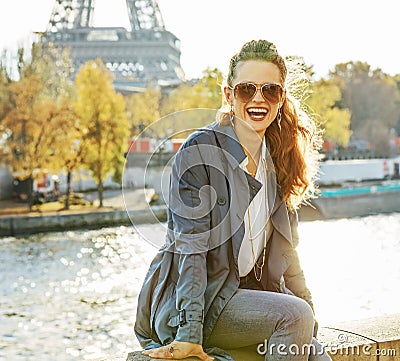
[(30, 193), (68, 189), (100, 192)]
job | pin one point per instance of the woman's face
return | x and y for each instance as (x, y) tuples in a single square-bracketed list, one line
[(257, 112)]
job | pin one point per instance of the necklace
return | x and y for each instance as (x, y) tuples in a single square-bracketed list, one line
[(252, 165), (258, 269)]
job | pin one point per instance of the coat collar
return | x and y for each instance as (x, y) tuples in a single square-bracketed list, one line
[(229, 142)]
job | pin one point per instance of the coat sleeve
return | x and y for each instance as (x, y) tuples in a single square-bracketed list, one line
[(294, 276), (190, 206)]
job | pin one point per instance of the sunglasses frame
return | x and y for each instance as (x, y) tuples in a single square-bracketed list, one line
[(258, 88)]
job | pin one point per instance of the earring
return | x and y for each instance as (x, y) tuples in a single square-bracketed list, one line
[(279, 119), (231, 114)]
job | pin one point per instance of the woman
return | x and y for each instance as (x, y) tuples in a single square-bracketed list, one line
[(229, 277)]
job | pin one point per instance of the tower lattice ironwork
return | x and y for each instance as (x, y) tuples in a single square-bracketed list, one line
[(145, 53)]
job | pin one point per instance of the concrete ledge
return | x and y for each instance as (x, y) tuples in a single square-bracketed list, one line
[(349, 206), (20, 225), (372, 339)]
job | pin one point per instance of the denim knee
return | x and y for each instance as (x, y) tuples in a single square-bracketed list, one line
[(298, 314)]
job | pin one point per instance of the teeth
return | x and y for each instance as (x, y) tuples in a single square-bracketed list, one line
[(257, 110)]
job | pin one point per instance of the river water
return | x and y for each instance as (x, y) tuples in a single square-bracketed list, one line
[(72, 295)]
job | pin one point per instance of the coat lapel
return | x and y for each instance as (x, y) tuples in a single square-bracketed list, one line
[(279, 213), (245, 184), (229, 143), (242, 183)]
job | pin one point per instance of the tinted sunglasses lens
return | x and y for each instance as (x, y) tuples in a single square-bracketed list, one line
[(272, 93), (245, 91)]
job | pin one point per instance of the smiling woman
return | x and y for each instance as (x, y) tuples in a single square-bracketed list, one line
[(268, 108), (228, 276)]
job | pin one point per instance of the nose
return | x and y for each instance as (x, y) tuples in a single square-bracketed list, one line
[(258, 96)]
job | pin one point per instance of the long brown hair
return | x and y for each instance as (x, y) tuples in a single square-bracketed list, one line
[(294, 146)]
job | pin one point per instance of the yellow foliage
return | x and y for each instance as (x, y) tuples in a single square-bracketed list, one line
[(334, 121), (143, 109), (204, 94), (36, 111), (102, 119), (30, 123)]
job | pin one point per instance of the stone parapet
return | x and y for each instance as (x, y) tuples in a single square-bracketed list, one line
[(20, 225), (372, 339)]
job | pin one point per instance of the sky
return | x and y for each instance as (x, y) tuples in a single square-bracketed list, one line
[(323, 32)]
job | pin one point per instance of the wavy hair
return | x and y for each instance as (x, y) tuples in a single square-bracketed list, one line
[(293, 147)]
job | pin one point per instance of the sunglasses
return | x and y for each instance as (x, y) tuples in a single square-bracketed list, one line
[(246, 91)]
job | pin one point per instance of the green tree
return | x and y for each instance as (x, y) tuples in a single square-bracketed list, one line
[(101, 112)]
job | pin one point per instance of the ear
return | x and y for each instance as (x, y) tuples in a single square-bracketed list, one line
[(228, 95), (283, 98)]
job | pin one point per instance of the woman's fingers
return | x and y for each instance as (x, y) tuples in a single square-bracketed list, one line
[(178, 351), (160, 352)]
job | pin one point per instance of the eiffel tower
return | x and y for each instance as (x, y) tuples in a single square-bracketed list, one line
[(147, 53)]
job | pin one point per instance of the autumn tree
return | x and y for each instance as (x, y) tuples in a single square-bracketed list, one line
[(334, 121), (397, 126), (5, 80), (142, 109), (373, 100), (204, 94), (66, 131), (101, 112), (69, 155), (30, 120), (319, 98)]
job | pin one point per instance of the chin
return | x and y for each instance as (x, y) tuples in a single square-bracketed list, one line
[(259, 126)]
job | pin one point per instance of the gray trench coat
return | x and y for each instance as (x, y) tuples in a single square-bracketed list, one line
[(195, 273)]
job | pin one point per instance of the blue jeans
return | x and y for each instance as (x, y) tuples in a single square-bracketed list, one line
[(268, 325)]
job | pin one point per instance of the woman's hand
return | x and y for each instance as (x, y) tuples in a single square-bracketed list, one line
[(177, 350)]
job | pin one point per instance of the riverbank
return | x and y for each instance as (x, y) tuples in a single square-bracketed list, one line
[(51, 217), (20, 225), (132, 207)]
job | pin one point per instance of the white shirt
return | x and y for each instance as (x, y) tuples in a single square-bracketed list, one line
[(260, 221)]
